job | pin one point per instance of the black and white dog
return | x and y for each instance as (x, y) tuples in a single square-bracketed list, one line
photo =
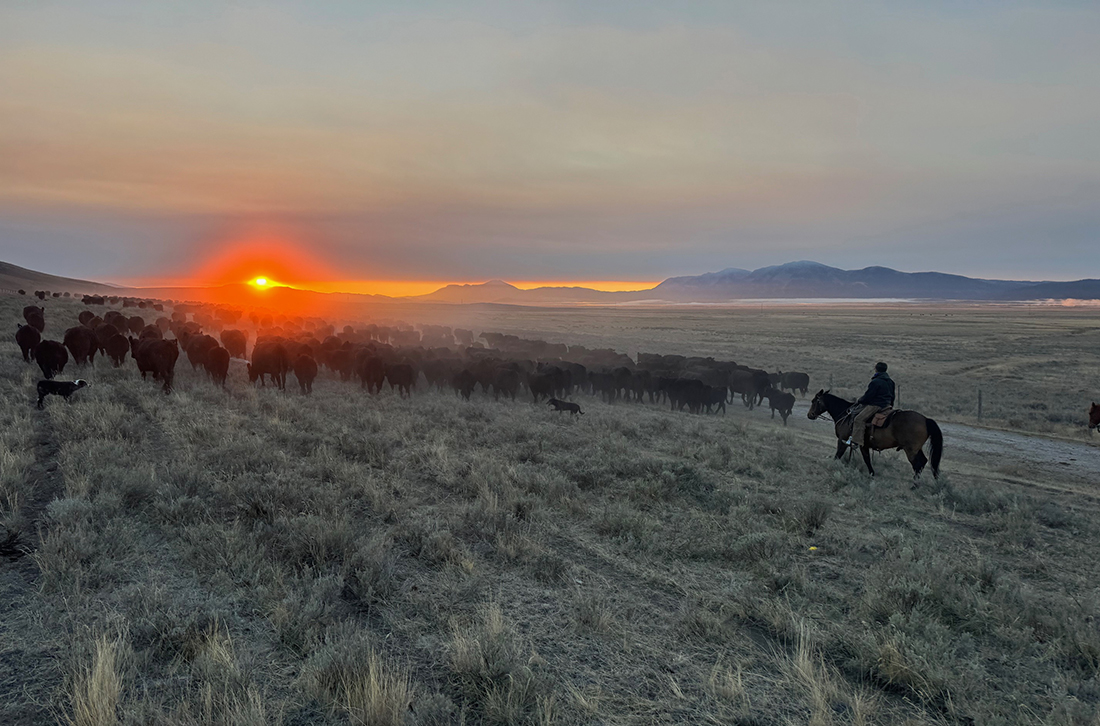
[(560, 406), (58, 388)]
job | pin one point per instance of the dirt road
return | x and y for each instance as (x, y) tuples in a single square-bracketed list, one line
[(1005, 448)]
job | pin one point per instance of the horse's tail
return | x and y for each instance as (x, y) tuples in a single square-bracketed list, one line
[(936, 435)]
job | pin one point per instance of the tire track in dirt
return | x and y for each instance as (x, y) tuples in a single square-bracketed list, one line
[(29, 671)]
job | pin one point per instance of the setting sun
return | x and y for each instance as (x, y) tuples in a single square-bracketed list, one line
[(260, 281)]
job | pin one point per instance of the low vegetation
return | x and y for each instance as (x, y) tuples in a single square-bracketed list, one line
[(250, 556)]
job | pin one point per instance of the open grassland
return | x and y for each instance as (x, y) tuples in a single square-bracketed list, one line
[(1035, 365), (256, 557)]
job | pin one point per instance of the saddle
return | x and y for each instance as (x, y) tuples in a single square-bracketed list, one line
[(882, 418)]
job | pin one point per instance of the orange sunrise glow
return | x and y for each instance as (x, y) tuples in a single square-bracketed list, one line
[(262, 260)]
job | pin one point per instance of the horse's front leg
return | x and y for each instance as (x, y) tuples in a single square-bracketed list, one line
[(841, 447), (866, 451)]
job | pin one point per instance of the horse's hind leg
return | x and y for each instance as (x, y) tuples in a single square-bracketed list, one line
[(918, 461)]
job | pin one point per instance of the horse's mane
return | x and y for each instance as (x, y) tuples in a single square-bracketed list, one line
[(845, 401)]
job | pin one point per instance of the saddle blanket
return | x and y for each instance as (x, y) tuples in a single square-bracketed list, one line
[(883, 417)]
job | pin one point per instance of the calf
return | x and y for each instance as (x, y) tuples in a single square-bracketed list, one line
[(58, 388), (780, 401), (560, 406)]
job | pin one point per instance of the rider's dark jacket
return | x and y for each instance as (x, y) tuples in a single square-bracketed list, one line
[(880, 392)]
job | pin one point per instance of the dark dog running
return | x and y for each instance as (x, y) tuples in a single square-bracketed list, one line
[(58, 388), (560, 406)]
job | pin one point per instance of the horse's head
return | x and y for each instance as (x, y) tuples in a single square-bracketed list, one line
[(817, 405), (1094, 416)]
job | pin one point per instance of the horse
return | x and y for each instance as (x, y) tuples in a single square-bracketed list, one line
[(906, 431), (1094, 415)]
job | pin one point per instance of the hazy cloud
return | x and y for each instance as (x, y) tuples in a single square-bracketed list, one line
[(530, 140)]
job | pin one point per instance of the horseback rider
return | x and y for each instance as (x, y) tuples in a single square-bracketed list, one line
[(879, 395)]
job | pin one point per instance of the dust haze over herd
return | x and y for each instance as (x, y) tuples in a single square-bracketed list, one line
[(417, 364)]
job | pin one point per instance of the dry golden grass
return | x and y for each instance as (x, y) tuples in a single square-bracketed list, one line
[(97, 687), (270, 558)]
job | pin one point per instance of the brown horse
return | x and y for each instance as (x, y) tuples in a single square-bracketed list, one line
[(906, 431), (1094, 415)]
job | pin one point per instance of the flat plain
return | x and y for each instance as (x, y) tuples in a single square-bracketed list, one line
[(251, 556)]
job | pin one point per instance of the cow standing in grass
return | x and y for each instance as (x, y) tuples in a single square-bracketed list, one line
[(216, 364), (157, 357), (269, 359), (28, 339), (780, 401), (305, 370), (51, 357)]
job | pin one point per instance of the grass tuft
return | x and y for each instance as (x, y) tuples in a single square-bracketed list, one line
[(96, 691)]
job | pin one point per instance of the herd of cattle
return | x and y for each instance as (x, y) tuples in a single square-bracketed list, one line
[(445, 357)]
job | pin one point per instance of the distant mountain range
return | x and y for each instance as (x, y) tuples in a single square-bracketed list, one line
[(814, 280), (793, 280)]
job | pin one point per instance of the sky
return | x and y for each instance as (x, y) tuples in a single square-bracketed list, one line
[(539, 141)]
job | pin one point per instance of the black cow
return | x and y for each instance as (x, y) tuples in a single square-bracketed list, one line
[(235, 341), (51, 357), (35, 317), (82, 344), (28, 339), (715, 396), (780, 401), (305, 370), (157, 357), (116, 347), (271, 359), (463, 382), (401, 376), (506, 381), (197, 347), (795, 381), (371, 370), (216, 364)]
